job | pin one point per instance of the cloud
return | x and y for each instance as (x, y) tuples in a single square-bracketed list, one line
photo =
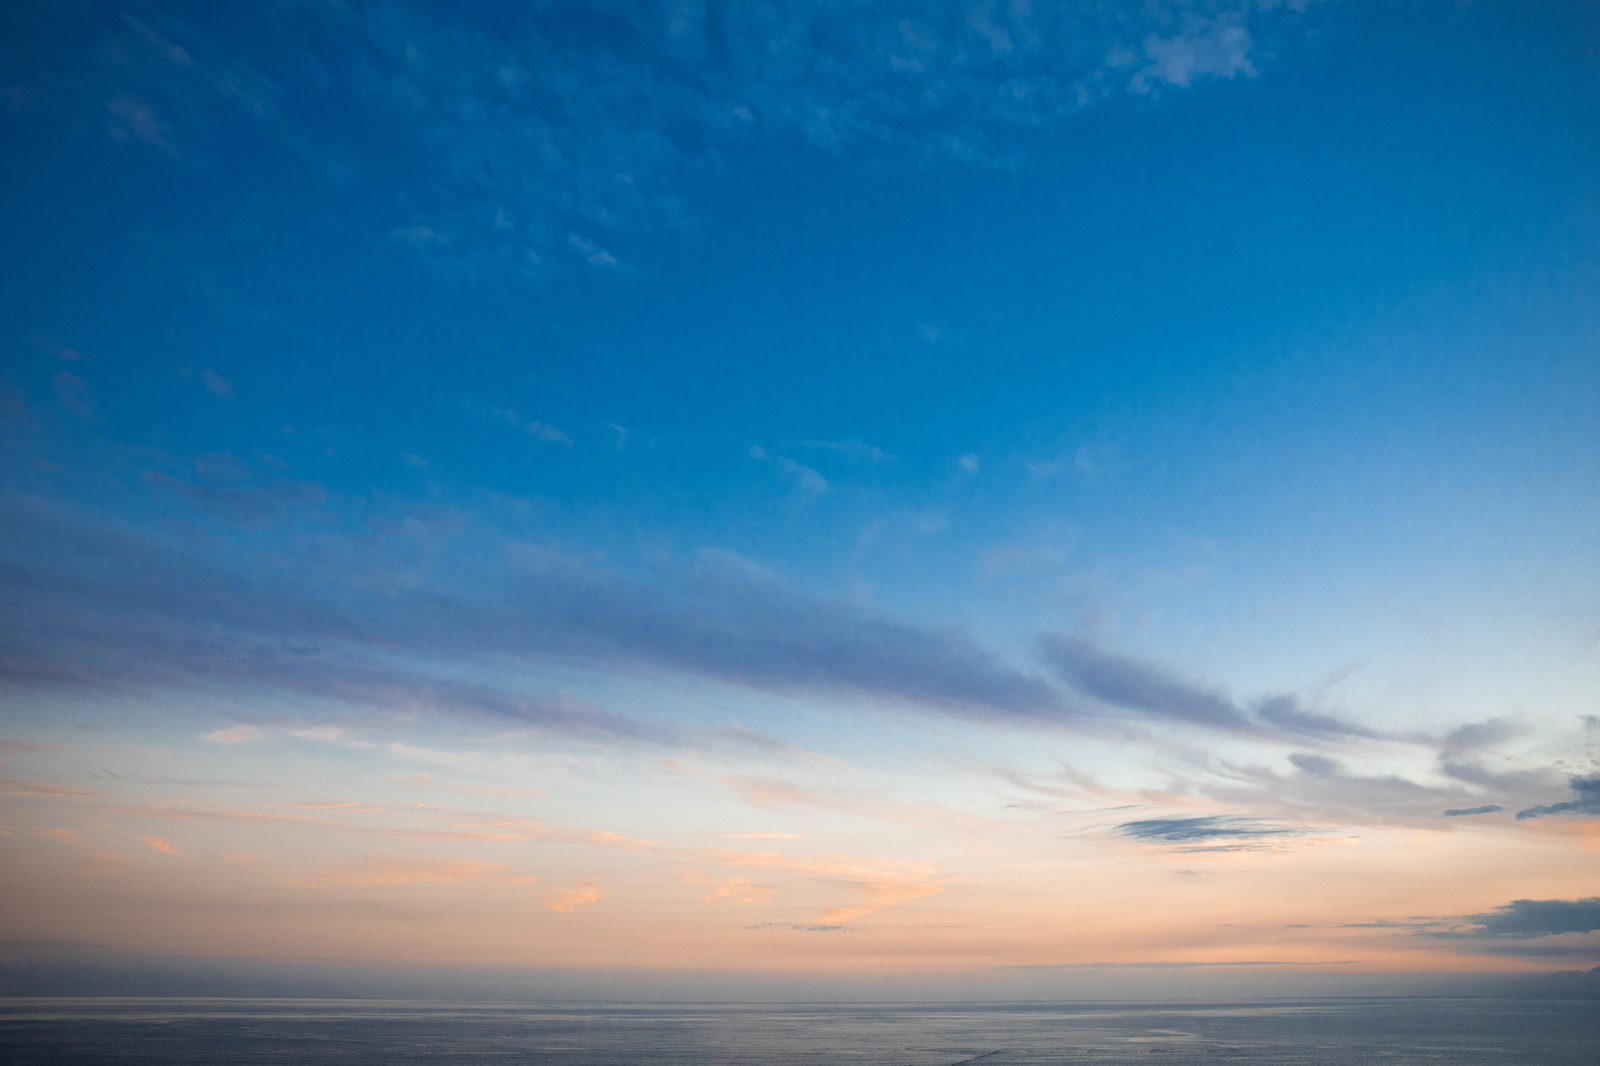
[(60, 834), (446, 871), (160, 844), (1588, 801), (128, 117), (1324, 788), (536, 127), (496, 826), (60, 351), (73, 393), (1467, 812), (807, 482), (1475, 736), (768, 792), (226, 487), (537, 430), (795, 927), (968, 463), (738, 890), (1216, 47), (1536, 918), (879, 883), (1211, 833), (854, 450), (148, 79), (239, 734), (1527, 782), (1285, 713), (580, 895), (357, 619), (216, 384), (102, 864), (1149, 689), (1138, 686), (593, 253)]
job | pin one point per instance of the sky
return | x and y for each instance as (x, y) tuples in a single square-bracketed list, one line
[(804, 490)]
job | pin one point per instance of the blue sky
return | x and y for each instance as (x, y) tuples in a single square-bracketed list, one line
[(1120, 414)]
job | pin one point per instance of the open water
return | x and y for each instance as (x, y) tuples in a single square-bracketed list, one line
[(1461, 1032)]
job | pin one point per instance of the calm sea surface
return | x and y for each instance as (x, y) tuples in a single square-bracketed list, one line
[(1342, 1031)]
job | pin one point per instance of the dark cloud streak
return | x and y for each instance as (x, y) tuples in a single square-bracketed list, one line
[(1137, 686), (1536, 918), (90, 604), (1588, 801)]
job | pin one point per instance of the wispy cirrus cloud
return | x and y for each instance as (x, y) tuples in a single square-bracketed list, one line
[(853, 450), (238, 734), (771, 793), (565, 118), (438, 871), (878, 883)]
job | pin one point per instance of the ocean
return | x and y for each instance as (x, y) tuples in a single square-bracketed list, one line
[(1461, 1032)]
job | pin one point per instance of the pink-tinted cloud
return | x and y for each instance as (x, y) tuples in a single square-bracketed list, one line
[(102, 864), (881, 883), (738, 890), (579, 895), (160, 844), (445, 871)]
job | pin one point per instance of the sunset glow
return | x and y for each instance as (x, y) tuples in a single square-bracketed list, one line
[(971, 492)]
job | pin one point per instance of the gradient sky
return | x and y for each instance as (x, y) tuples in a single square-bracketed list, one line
[(803, 488)]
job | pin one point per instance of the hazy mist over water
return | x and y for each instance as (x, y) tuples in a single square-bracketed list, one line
[(1307, 1031)]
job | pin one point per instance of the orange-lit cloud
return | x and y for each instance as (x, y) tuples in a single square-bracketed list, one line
[(769, 792), (61, 835), (581, 894), (160, 844), (736, 889), (102, 864), (444, 871), (882, 882)]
